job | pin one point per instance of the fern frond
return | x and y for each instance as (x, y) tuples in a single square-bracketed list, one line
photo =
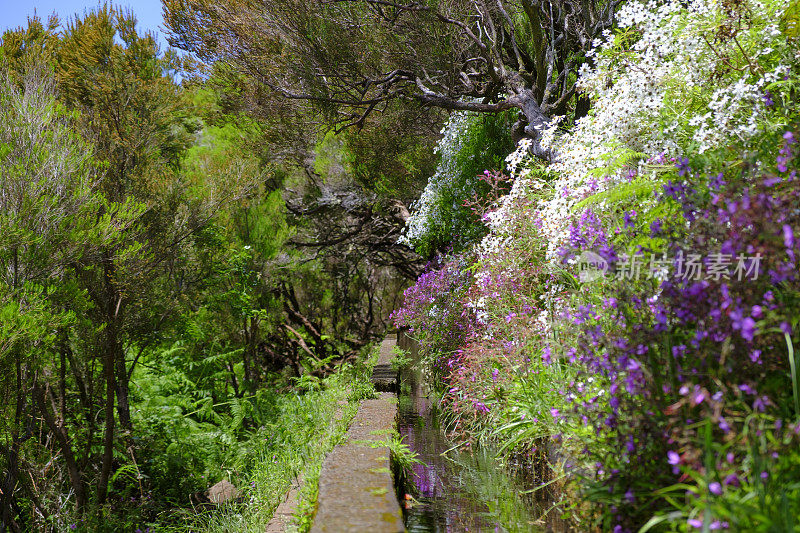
[(640, 187), (619, 158)]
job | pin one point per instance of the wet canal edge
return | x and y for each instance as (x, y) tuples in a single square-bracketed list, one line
[(356, 483), (467, 486)]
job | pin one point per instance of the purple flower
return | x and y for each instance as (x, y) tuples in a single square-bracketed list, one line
[(629, 496), (715, 488), (614, 402), (732, 479), (695, 523), (480, 406), (760, 403), (495, 373), (683, 166), (546, 355), (629, 217), (699, 397), (656, 227), (748, 328), (788, 236), (587, 233), (717, 182), (673, 458)]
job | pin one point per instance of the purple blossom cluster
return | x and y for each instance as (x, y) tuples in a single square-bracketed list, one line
[(664, 357), (586, 233), (433, 311)]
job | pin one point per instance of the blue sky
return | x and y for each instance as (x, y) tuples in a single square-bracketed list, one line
[(14, 13)]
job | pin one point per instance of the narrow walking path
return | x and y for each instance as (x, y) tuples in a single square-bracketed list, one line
[(356, 486)]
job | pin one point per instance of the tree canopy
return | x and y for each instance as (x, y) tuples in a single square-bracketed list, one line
[(348, 58)]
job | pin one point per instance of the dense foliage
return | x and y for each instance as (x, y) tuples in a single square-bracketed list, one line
[(174, 309), (349, 60), (444, 216)]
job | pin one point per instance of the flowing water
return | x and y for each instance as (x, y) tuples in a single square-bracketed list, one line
[(459, 490)]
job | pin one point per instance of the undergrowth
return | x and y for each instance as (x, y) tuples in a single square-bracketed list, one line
[(303, 427)]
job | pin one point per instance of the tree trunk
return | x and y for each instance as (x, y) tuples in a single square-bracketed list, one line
[(123, 388), (248, 378), (234, 383), (582, 106), (12, 457), (249, 357), (60, 433), (110, 349), (108, 439), (537, 123)]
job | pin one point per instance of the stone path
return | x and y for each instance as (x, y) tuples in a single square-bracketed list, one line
[(384, 377), (285, 511), (356, 486)]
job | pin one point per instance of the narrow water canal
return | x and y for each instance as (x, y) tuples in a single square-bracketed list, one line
[(456, 490)]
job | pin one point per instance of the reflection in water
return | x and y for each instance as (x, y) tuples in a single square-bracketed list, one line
[(456, 491)]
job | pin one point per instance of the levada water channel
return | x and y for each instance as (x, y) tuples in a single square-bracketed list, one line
[(457, 489)]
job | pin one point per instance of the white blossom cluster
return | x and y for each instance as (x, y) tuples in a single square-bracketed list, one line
[(425, 212), (675, 88), (663, 85)]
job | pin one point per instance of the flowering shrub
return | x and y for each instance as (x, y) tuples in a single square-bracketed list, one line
[(470, 144), (731, 343), (674, 397), (673, 80), (690, 368), (433, 313)]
